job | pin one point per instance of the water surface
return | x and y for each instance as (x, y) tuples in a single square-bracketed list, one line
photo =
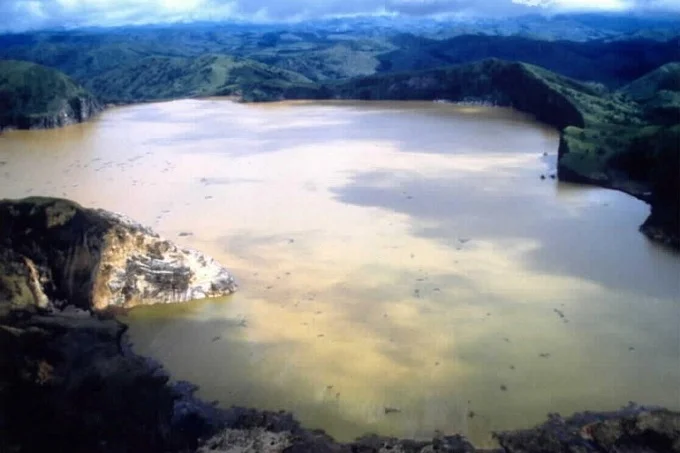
[(390, 255)]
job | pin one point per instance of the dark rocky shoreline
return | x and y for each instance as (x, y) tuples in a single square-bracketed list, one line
[(70, 382)]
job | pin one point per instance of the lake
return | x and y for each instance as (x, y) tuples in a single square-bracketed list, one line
[(403, 268)]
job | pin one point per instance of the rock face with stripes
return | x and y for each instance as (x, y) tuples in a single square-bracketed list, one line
[(56, 252)]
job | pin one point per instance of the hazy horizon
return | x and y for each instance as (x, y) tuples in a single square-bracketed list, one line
[(34, 15)]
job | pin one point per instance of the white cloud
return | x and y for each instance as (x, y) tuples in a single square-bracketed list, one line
[(24, 14), (562, 5)]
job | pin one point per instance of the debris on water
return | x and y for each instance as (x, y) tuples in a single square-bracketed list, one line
[(504, 388), (208, 197), (545, 154), (552, 176), (488, 314), (436, 363), (506, 339), (184, 234), (464, 240), (471, 414), (391, 410), (329, 387), (412, 256), (512, 367), (320, 335), (544, 355), (542, 177), (243, 323), (217, 338), (269, 287), (337, 395), (290, 241), (560, 313), (436, 290), (631, 348), (416, 292)]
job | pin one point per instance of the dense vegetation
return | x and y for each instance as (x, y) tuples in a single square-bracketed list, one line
[(154, 78), (614, 50), (35, 96), (611, 63)]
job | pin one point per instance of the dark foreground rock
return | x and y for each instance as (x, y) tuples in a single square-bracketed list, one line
[(631, 429), (70, 383), (55, 250)]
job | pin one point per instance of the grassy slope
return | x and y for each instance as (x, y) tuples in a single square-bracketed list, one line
[(624, 126), (156, 78), (30, 92)]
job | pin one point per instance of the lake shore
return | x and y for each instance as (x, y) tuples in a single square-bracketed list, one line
[(407, 255)]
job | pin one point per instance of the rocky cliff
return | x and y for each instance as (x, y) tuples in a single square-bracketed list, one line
[(55, 251), (496, 82), (37, 97)]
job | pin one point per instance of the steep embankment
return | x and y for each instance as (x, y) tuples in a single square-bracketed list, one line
[(54, 252), (494, 81), (36, 97), (638, 153)]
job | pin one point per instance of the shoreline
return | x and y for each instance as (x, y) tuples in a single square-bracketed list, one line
[(156, 414)]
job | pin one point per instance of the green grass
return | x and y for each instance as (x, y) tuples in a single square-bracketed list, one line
[(30, 92), (158, 78)]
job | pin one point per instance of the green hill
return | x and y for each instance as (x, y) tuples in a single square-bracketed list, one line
[(665, 78), (612, 63), (33, 96), (157, 78)]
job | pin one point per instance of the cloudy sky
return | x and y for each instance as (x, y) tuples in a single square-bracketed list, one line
[(16, 15)]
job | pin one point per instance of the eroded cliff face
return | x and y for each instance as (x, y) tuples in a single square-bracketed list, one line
[(75, 110), (54, 249)]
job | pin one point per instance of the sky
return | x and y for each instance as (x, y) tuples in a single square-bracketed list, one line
[(17, 15)]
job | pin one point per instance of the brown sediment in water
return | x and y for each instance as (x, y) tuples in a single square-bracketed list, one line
[(384, 250)]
